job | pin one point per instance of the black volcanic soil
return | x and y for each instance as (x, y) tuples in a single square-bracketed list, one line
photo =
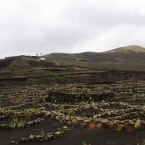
[(6, 136), (77, 135)]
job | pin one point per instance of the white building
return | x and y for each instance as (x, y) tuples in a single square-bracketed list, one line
[(42, 58)]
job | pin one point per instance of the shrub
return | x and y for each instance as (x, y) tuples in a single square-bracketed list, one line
[(42, 133), (71, 113), (69, 68), (84, 143), (61, 107), (1, 107), (88, 114), (68, 104), (38, 67), (59, 129), (135, 96), (143, 142), (50, 75), (13, 69), (15, 121), (132, 78)]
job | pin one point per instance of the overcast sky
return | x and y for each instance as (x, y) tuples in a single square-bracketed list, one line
[(32, 27)]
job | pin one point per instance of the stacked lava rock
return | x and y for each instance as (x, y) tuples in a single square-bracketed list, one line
[(60, 97)]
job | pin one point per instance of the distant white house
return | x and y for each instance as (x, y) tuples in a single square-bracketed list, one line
[(42, 58)]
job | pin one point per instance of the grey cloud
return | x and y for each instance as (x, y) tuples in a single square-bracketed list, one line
[(102, 13), (31, 27)]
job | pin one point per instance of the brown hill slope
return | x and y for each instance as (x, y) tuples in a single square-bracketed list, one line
[(128, 53), (122, 54), (127, 49)]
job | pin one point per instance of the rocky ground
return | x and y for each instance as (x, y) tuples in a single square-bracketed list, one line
[(28, 117)]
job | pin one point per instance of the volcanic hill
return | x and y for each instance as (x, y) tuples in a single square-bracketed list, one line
[(122, 54)]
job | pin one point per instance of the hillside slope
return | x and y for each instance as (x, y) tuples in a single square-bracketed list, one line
[(122, 54), (127, 49)]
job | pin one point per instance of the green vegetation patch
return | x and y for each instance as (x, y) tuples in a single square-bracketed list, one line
[(132, 78), (70, 68), (84, 143), (143, 142), (38, 67), (50, 75), (71, 113), (61, 107), (16, 121), (42, 133)]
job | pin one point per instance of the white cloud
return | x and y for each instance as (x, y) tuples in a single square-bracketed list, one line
[(30, 27)]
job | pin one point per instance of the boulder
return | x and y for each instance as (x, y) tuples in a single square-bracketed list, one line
[(137, 124), (143, 122), (92, 125), (99, 125), (69, 122), (131, 122), (104, 121), (75, 122), (31, 137), (118, 127)]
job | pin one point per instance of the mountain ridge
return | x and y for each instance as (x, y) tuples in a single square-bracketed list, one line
[(127, 49), (121, 54)]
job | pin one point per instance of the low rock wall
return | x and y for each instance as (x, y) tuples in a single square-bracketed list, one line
[(59, 97)]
